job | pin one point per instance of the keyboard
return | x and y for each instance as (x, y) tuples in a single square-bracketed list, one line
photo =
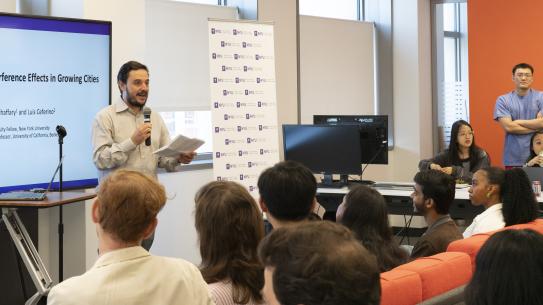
[(22, 196)]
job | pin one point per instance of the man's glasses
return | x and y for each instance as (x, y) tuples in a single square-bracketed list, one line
[(521, 75)]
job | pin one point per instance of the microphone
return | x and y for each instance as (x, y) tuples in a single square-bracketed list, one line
[(147, 119), (61, 132)]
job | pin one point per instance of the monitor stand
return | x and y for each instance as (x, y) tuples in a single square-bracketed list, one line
[(328, 181)]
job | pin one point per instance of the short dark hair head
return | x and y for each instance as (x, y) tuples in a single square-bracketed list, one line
[(320, 263), (125, 69), (288, 189), (366, 215), (508, 270), (522, 66), (438, 186)]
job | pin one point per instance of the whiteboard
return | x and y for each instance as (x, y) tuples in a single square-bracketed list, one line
[(337, 67)]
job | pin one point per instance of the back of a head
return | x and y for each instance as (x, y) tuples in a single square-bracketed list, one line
[(320, 263), (519, 202), (128, 202), (288, 189), (230, 226), (509, 270), (438, 186), (367, 216)]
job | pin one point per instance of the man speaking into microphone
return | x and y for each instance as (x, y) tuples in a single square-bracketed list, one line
[(126, 133)]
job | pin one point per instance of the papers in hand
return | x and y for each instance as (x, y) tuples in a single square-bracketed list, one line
[(179, 144)]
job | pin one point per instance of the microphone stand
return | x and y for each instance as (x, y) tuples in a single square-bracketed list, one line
[(61, 134)]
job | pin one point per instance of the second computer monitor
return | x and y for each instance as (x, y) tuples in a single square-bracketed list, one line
[(373, 134), (324, 149)]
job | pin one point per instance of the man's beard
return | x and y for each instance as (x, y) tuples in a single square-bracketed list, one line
[(134, 102)]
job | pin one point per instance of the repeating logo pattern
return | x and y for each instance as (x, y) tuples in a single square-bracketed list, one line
[(243, 99)]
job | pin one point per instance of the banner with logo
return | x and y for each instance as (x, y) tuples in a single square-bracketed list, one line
[(243, 97)]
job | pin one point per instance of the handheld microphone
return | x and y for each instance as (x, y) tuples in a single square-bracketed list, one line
[(147, 119)]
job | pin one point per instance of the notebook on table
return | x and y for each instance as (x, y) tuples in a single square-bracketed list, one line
[(29, 195)]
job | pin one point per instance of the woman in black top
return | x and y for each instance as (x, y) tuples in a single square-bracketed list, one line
[(462, 158)]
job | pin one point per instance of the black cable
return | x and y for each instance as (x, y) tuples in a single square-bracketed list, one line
[(383, 145), (407, 225)]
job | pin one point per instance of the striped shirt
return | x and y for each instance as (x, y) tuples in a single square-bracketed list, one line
[(221, 293)]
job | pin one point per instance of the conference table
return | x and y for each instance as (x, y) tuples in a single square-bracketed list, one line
[(23, 242), (397, 195)]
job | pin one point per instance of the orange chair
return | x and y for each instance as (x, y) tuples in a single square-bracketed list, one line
[(400, 287), (441, 272)]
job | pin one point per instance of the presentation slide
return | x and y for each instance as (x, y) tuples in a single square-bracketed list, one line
[(52, 72)]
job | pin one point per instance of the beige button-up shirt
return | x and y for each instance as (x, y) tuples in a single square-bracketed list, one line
[(113, 149), (131, 276)]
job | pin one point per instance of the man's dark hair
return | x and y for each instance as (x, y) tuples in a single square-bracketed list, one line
[(438, 186), (288, 189), (508, 270), (125, 69), (320, 263), (522, 66)]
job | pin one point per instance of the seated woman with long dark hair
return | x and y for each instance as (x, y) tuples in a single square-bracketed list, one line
[(536, 150), (229, 225), (507, 197), (462, 158), (508, 270), (364, 211)]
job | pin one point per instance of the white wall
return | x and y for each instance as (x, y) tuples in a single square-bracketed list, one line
[(8, 6)]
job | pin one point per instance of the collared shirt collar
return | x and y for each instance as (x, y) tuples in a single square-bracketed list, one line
[(121, 255), (121, 106)]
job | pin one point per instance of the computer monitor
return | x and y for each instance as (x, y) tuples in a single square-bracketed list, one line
[(373, 134), (325, 149)]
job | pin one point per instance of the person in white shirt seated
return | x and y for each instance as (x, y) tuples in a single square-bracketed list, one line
[(507, 197), (125, 212)]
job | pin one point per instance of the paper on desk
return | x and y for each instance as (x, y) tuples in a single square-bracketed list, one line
[(178, 145)]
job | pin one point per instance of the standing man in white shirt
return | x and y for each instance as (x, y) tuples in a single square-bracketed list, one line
[(125, 212), (119, 132)]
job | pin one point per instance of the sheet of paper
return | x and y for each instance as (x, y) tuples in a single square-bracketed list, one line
[(178, 145)]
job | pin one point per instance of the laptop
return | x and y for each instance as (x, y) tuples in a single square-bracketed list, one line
[(534, 173), (29, 195)]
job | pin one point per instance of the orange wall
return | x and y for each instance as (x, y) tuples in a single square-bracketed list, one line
[(501, 33)]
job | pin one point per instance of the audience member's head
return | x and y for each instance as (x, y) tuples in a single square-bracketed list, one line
[(364, 211), (126, 207), (318, 263), (486, 186), (519, 202), (287, 192), (536, 147), (509, 270), (434, 192), (230, 226)]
